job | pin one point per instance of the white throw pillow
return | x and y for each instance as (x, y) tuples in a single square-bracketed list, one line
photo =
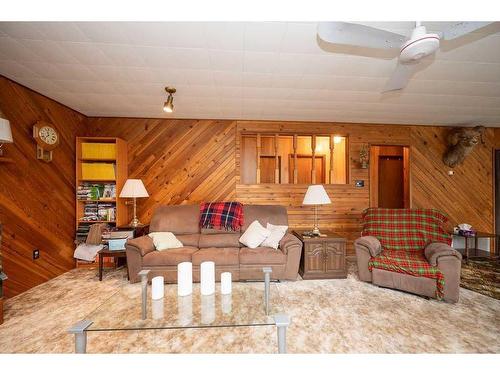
[(277, 233), (165, 240), (254, 235)]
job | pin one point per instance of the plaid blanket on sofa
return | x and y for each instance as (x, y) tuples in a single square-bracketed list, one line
[(403, 234), (405, 229), (410, 262), (221, 215)]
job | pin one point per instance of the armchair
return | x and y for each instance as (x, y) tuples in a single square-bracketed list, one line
[(414, 256)]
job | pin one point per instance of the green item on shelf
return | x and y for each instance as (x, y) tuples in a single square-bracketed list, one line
[(94, 193)]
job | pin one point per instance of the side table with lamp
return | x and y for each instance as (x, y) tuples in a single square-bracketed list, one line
[(323, 254), (133, 188)]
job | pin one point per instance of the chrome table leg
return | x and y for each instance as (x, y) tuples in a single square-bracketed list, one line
[(282, 321), (144, 281), (79, 330), (267, 284)]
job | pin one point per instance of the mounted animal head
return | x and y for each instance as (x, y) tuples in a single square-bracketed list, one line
[(461, 141)]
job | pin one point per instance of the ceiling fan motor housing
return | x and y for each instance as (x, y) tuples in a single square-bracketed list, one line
[(419, 46)]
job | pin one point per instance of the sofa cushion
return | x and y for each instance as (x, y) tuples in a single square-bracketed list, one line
[(410, 263), (261, 255), (219, 240), (274, 238), (221, 256), (273, 214), (181, 219), (170, 257), (254, 235), (217, 231), (189, 239), (165, 240)]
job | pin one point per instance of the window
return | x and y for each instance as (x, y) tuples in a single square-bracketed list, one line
[(293, 159)]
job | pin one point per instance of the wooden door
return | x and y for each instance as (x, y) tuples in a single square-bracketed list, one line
[(334, 257), (391, 192), (313, 258)]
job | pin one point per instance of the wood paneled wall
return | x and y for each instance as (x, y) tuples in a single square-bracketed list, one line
[(37, 199), (467, 195), (179, 161), (189, 161), (183, 161)]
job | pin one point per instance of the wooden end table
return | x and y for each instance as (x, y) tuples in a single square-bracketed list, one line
[(322, 257), (117, 254)]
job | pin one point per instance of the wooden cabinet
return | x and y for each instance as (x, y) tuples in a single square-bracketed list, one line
[(322, 257)]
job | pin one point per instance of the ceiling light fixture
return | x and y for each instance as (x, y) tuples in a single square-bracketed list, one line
[(169, 104)]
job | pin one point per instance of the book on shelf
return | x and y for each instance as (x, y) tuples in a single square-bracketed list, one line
[(98, 171), (99, 211), (98, 150), (89, 191)]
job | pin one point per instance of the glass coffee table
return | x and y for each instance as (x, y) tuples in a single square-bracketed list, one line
[(132, 309)]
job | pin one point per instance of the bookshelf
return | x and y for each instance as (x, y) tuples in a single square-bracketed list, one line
[(101, 172)]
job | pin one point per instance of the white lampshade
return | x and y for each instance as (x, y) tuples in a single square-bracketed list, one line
[(316, 194), (134, 188), (5, 132)]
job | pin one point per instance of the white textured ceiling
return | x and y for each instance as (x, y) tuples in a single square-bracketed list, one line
[(255, 70)]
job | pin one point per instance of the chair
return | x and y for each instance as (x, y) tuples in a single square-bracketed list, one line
[(408, 249)]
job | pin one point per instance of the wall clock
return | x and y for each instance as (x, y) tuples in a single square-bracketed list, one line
[(47, 139)]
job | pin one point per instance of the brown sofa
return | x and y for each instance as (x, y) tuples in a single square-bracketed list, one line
[(447, 259), (219, 246), (437, 254)]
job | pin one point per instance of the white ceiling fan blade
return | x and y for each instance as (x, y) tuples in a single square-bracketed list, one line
[(462, 28), (400, 77), (359, 35)]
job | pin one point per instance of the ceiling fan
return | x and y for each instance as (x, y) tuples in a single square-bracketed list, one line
[(412, 51)]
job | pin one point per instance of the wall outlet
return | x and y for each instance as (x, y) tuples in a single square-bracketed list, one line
[(36, 254)]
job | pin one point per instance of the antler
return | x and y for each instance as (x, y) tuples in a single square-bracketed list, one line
[(480, 130)]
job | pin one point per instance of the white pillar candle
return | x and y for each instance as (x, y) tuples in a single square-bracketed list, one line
[(225, 283), (185, 310), (184, 279), (157, 308), (207, 278), (227, 303), (157, 287), (207, 309)]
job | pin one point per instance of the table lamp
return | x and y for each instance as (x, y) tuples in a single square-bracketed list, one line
[(134, 188), (316, 195), (5, 132)]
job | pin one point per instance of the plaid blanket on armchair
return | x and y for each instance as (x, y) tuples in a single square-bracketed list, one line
[(403, 234), (221, 215)]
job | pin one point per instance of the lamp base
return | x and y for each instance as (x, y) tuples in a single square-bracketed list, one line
[(135, 223), (316, 231)]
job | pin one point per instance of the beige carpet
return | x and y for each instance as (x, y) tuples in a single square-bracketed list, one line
[(328, 316)]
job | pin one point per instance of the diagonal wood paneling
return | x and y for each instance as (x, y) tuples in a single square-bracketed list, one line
[(467, 196), (194, 160), (37, 199), (180, 161)]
